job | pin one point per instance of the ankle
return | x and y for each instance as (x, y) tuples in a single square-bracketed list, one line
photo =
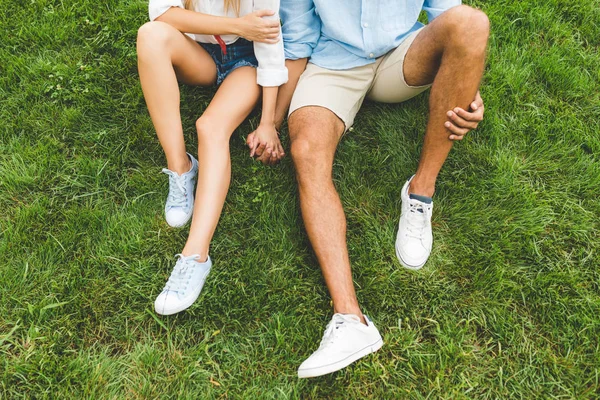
[(422, 187), (180, 166), (351, 310), (202, 255)]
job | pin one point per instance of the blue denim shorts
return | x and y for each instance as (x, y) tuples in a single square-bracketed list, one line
[(239, 54)]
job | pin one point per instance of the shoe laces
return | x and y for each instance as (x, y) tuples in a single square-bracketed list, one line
[(334, 328), (418, 217), (177, 189), (182, 273)]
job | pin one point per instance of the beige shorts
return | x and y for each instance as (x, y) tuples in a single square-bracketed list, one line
[(343, 91)]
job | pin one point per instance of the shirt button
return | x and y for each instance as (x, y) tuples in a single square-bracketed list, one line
[(366, 25), (371, 55)]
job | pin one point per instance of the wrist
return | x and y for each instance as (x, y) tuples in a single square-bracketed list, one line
[(234, 26), (267, 122)]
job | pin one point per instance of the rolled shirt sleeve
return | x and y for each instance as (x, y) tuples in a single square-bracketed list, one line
[(271, 69), (156, 8), (435, 8), (301, 28)]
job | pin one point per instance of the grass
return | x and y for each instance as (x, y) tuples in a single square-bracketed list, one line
[(507, 306)]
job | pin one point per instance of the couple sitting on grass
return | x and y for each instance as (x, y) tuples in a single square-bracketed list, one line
[(318, 66)]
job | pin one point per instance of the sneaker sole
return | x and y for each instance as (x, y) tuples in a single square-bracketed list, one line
[(327, 369)]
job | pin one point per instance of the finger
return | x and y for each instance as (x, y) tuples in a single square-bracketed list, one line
[(476, 116), (253, 146), (478, 101), (260, 149), (264, 13), (461, 122), (264, 159), (455, 129), (250, 138), (456, 137), (280, 150)]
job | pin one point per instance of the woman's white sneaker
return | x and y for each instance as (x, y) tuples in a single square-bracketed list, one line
[(180, 201), (415, 238), (184, 285), (345, 340)]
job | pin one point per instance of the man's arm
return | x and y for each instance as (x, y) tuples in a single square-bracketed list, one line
[(434, 8)]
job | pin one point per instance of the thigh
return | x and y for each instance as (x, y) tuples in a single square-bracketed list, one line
[(192, 64), (390, 85), (234, 100), (340, 92)]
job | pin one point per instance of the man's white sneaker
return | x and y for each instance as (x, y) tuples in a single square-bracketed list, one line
[(180, 201), (345, 340), (184, 285), (414, 239)]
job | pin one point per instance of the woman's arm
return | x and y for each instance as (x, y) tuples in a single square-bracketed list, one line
[(252, 26)]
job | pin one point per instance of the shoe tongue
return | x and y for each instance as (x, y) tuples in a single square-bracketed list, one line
[(347, 318), (422, 199)]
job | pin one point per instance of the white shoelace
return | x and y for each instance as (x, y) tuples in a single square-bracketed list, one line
[(337, 324), (177, 190), (182, 273), (418, 217)]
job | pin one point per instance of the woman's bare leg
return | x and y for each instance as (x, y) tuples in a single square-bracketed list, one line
[(164, 55), (234, 100)]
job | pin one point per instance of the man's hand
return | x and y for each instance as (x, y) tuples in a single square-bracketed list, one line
[(462, 122), (264, 144)]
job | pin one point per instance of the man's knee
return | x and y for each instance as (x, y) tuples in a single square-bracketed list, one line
[(314, 134), (467, 28)]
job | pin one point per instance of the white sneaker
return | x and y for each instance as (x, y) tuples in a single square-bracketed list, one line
[(180, 201), (345, 340), (184, 285), (414, 239)]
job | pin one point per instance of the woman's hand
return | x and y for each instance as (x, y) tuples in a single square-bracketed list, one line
[(264, 144), (255, 28)]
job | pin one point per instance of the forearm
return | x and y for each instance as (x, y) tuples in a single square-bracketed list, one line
[(286, 91), (269, 105), (194, 22)]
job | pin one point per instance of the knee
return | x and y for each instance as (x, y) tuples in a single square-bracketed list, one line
[(311, 162), (153, 35), (209, 130), (467, 28)]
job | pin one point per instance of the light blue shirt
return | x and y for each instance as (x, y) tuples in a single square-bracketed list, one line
[(343, 34)]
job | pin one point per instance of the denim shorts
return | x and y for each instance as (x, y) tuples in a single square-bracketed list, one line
[(239, 54)]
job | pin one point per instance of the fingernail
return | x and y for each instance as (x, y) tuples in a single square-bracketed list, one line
[(474, 106), (447, 124), (456, 110), (449, 113)]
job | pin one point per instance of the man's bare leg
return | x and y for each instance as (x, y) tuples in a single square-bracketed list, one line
[(315, 133), (450, 52)]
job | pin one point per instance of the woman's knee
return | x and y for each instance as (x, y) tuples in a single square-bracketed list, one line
[(210, 129), (153, 36)]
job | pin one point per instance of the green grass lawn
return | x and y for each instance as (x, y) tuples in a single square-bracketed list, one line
[(507, 307)]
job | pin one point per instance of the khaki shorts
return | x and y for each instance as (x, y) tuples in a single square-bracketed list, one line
[(342, 92)]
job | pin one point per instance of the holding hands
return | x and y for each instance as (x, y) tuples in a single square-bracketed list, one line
[(264, 144)]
